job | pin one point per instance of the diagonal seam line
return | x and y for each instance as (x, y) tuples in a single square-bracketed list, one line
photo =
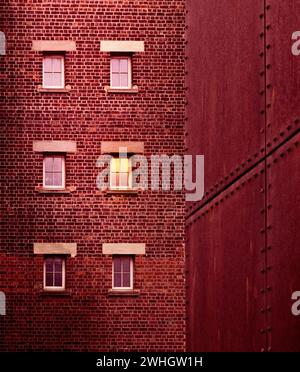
[(260, 161)]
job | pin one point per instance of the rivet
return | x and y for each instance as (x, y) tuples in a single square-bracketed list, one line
[(268, 125), (262, 73), (268, 105), (296, 121), (268, 86), (262, 211), (261, 34), (262, 130), (268, 27), (269, 348), (262, 331), (262, 349), (268, 66), (262, 290), (269, 308), (262, 112), (261, 190), (261, 16), (269, 268), (269, 227), (268, 7), (262, 271), (269, 288), (268, 46), (269, 329), (262, 311), (281, 134), (262, 231), (269, 206), (269, 248), (262, 250), (261, 54), (288, 127), (262, 92), (269, 144)]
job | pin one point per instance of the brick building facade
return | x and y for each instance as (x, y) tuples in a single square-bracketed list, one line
[(80, 226)]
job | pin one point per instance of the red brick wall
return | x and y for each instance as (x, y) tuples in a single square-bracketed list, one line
[(87, 319)]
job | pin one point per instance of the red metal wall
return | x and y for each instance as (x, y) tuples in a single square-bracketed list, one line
[(243, 114)]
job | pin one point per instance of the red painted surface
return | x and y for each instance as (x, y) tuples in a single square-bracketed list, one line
[(224, 105), (242, 256), (283, 244), (87, 318), (224, 262)]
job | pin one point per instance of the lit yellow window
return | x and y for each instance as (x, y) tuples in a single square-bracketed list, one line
[(120, 173)]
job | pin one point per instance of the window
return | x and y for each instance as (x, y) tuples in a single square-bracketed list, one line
[(54, 172), (120, 72), (120, 174), (53, 72), (122, 272), (54, 273)]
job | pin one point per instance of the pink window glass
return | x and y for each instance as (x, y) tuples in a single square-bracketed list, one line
[(54, 272), (53, 171), (120, 72), (53, 72), (122, 272)]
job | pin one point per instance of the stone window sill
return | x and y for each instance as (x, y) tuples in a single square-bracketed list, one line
[(132, 90), (119, 192), (67, 190), (125, 293), (67, 89)]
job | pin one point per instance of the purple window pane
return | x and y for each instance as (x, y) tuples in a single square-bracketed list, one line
[(124, 65), (48, 164), (123, 80), (117, 264), (58, 265), (126, 264), (48, 79), (115, 81), (57, 179), (117, 279), (56, 64), (115, 66), (57, 164), (49, 279), (49, 265), (123, 179), (49, 179), (126, 280), (58, 280), (57, 79), (47, 65)]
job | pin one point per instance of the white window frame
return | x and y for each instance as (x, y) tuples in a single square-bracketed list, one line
[(55, 187), (129, 71), (62, 58), (131, 274), (129, 187), (52, 288)]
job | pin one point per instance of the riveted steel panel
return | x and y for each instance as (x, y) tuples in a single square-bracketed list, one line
[(282, 71), (283, 258), (225, 112), (225, 263)]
